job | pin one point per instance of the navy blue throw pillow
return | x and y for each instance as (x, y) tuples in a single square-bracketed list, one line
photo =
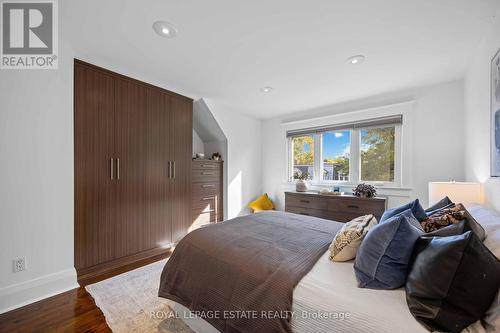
[(441, 204), (416, 209), (384, 255)]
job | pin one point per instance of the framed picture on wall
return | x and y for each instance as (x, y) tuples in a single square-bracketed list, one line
[(495, 115)]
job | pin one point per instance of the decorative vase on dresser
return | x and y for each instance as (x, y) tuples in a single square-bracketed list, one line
[(206, 198), (301, 185)]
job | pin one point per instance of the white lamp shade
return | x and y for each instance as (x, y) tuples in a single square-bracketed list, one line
[(458, 192)]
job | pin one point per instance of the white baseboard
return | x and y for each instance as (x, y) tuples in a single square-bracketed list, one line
[(27, 292)]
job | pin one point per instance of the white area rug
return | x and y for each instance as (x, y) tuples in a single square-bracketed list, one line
[(130, 302)]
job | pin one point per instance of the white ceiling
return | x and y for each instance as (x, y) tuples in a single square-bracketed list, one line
[(226, 50)]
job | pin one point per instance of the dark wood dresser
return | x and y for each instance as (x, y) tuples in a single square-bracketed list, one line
[(342, 208), (206, 197)]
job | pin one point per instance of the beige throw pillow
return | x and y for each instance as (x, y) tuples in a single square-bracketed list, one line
[(348, 239)]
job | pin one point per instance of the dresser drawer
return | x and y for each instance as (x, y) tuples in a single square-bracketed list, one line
[(206, 165), (356, 207), (337, 208), (307, 211), (206, 203), (305, 201), (206, 187), (206, 176)]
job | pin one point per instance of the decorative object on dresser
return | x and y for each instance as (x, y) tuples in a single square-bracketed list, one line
[(341, 208), (365, 191), (133, 148), (216, 156), (206, 188), (301, 184)]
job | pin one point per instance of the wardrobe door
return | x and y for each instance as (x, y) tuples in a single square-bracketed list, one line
[(181, 136), (94, 197), (131, 154), (158, 227)]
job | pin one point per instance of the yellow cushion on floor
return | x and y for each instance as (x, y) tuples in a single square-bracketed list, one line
[(262, 203)]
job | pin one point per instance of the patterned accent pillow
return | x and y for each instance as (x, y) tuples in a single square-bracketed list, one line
[(348, 239), (443, 218)]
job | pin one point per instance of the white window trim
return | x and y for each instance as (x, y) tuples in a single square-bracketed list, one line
[(403, 145)]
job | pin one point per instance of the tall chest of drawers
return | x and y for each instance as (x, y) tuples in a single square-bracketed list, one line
[(206, 192), (342, 208)]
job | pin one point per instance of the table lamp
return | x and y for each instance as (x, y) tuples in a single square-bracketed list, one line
[(458, 192)]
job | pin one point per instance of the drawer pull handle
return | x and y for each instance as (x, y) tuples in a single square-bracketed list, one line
[(208, 198), (353, 206), (209, 211), (210, 185), (304, 201), (206, 166), (207, 173)]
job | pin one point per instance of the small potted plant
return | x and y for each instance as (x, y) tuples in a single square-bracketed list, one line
[(364, 191), (301, 177)]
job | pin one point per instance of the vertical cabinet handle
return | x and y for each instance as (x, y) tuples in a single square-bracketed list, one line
[(117, 168), (111, 168), (174, 169), (169, 169)]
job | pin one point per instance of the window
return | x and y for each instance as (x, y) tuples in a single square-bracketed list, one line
[(366, 151), (377, 154), (336, 155), (303, 157)]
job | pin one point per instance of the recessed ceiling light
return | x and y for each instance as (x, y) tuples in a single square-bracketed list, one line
[(164, 29), (356, 60), (266, 89)]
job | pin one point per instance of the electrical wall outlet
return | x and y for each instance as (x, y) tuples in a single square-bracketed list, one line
[(19, 264)]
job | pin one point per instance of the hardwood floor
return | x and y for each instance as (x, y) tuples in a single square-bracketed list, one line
[(72, 311)]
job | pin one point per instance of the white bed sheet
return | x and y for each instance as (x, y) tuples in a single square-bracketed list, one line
[(329, 291), (330, 287)]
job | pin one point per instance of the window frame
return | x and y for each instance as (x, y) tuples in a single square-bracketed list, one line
[(354, 161)]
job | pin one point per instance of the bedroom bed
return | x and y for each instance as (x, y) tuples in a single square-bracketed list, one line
[(331, 288), (325, 298)]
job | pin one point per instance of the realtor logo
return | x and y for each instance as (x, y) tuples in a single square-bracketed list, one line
[(29, 35)]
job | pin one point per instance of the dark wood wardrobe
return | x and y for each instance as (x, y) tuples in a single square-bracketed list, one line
[(133, 147)]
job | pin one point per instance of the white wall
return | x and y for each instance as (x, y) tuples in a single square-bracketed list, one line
[(36, 170), (198, 144), (243, 163), (435, 145), (477, 117), (36, 181)]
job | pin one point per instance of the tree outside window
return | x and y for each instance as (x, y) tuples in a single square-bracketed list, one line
[(303, 155), (377, 154)]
